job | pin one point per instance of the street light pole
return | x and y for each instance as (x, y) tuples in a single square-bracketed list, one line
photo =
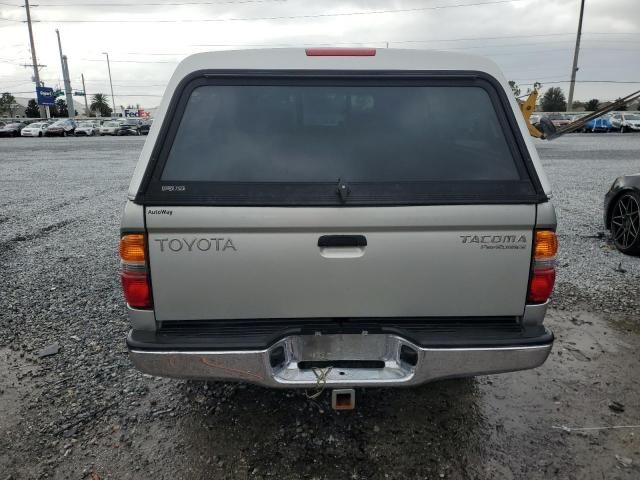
[(67, 80), (36, 73), (113, 99), (574, 68), (84, 92)]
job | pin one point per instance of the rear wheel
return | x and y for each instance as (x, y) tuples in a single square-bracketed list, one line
[(625, 223), (623, 130), (39, 134)]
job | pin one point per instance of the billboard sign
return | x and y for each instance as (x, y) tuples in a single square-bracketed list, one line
[(46, 96), (135, 113)]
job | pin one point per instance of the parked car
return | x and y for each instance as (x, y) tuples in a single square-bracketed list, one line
[(61, 128), (145, 127), (625, 122), (600, 124), (622, 213), (412, 254), (558, 119), (34, 129), (130, 126), (87, 129), (11, 129), (109, 128)]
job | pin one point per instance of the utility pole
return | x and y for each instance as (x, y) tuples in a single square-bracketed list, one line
[(36, 73), (113, 99), (574, 69), (84, 90), (67, 81)]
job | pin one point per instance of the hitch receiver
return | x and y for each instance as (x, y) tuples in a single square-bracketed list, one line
[(343, 399)]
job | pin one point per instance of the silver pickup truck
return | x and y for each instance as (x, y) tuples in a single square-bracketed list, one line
[(357, 216)]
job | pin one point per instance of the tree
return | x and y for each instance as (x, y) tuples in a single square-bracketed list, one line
[(591, 105), (100, 104), (623, 108), (61, 109), (32, 110), (514, 88), (7, 103), (554, 100)]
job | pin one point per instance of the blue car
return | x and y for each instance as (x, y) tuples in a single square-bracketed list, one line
[(601, 124)]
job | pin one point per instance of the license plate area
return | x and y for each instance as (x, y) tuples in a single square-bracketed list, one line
[(348, 348)]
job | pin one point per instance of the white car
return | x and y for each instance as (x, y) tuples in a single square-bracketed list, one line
[(34, 130), (109, 128), (86, 129), (626, 122)]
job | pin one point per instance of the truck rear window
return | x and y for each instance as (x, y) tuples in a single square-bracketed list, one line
[(292, 144)]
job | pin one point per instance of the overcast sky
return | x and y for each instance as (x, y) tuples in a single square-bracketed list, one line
[(530, 39)]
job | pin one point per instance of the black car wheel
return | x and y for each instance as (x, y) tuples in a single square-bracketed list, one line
[(623, 130), (15, 134), (39, 134), (625, 223)]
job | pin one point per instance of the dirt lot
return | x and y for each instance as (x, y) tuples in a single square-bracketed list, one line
[(84, 412)]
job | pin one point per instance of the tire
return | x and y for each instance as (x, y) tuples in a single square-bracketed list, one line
[(622, 130), (39, 134), (625, 223)]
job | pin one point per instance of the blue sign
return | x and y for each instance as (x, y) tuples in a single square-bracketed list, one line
[(45, 96)]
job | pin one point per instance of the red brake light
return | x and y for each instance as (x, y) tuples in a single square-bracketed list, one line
[(136, 289), (340, 52), (541, 285)]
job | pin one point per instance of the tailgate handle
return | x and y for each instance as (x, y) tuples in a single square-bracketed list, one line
[(330, 241)]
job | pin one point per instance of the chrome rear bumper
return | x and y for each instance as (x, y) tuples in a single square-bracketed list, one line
[(257, 367)]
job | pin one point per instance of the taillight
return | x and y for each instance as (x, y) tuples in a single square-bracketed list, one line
[(543, 274), (133, 271)]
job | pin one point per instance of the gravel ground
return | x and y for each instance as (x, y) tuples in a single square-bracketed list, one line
[(84, 412)]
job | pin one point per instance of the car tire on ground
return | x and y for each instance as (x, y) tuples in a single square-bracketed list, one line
[(39, 134), (625, 223), (623, 130)]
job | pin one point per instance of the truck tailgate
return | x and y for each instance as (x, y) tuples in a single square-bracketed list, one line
[(265, 262)]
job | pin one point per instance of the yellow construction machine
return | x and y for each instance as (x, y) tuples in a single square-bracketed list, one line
[(546, 129)]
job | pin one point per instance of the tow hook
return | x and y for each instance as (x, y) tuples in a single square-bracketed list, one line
[(343, 399)]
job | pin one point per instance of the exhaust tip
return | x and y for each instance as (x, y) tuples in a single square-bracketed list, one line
[(343, 399)]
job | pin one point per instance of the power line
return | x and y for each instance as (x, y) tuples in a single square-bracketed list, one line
[(292, 17), (369, 42), (142, 4), (145, 4)]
